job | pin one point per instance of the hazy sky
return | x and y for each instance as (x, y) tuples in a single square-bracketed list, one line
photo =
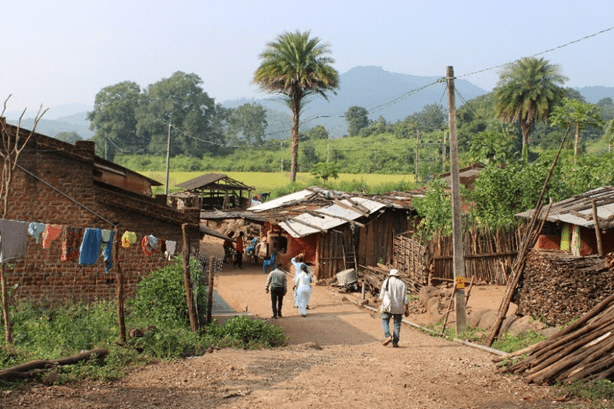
[(61, 52)]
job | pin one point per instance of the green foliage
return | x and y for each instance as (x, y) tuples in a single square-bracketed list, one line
[(357, 118), (431, 117), (243, 331), (325, 170), (577, 115), (248, 123), (600, 392), (511, 343), (70, 137), (160, 296), (435, 210), (491, 147), (527, 91)]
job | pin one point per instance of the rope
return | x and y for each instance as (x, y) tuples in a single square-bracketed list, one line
[(66, 196)]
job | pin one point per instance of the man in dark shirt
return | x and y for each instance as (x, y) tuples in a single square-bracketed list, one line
[(279, 286)]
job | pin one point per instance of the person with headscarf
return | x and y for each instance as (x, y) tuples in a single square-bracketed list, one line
[(303, 289)]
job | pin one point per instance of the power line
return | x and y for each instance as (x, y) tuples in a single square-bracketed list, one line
[(540, 53)]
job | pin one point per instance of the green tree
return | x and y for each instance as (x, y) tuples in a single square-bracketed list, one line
[(181, 101), (248, 122), (114, 120), (431, 117), (317, 132), (357, 118), (70, 137), (577, 114), (325, 171), (491, 147), (527, 91), (296, 67)]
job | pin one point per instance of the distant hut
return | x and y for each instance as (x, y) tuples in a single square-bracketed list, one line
[(213, 191)]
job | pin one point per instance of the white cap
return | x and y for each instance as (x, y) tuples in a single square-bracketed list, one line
[(394, 272)]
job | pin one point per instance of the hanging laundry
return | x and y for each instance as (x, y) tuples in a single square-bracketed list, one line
[(90, 247), (107, 251), (71, 243), (13, 236), (170, 249), (52, 232), (128, 238), (162, 245), (35, 229), (149, 244)]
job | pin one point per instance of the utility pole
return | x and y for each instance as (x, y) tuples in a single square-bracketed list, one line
[(168, 157), (416, 161), (281, 151), (457, 232)]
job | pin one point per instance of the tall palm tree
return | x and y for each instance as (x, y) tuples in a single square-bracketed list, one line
[(527, 91), (296, 67)]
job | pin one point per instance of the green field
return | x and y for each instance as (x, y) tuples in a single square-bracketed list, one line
[(268, 181)]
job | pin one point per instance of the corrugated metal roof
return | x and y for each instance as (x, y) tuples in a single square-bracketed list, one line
[(578, 210), (325, 218), (281, 201), (209, 178)]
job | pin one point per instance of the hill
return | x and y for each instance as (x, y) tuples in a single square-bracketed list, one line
[(594, 93)]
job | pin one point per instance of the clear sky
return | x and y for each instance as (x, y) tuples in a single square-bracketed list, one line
[(61, 52)]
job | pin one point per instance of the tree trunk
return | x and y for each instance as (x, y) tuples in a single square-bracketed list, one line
[(293, 163), (526, 132)]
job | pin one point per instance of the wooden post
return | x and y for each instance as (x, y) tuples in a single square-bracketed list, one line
[(457, 235), (597, 231), (120, 286), (187, 279), (8, 332), (211, 282)]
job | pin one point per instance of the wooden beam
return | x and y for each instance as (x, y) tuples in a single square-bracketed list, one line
[(358, 205), (307, 224), (320, 214)]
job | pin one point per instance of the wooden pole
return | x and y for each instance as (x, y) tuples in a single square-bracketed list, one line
[(187, 279), (8, 332), (457, 233), (211, 282), (120, 286), (597, 231)]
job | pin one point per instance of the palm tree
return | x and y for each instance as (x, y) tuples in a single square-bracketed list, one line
[(296, 67), (527, 91), (578, 114)]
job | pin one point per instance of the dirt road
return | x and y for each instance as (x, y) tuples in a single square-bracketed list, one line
[(334, 359)]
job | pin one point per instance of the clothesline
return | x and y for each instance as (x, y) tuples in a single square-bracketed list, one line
[(84, 245)]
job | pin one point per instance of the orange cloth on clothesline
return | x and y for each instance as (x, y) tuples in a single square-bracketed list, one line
[(52, 232)]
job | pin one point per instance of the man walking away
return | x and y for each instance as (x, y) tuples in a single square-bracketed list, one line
[(278, 283), (394, 290)]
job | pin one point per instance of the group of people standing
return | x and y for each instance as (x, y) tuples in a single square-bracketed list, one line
[(277, 281), (232, 253)]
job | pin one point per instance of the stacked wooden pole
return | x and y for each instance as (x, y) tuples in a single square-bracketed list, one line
[(581, 351)]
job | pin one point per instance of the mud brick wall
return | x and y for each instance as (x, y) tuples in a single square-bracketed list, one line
[(70, 168)]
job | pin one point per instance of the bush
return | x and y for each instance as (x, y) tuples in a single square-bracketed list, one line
[(160, 296), (244, 331)]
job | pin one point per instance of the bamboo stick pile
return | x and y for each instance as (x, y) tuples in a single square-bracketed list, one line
[(410, 259), (581, 351), (374, 276), (559, 287)]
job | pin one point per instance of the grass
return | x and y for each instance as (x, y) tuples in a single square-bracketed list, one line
[(270, 181), (64, 329)]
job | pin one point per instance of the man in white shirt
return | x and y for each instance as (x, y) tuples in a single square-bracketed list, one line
[(399, 303)]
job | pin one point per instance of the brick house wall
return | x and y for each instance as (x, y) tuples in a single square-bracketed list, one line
[(71, 168)]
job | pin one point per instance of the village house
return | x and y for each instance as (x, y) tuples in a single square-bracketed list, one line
[(67, 184), (334, 230)]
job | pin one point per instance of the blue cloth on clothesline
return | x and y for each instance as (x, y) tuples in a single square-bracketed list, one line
[(90, 247), (108, 252)]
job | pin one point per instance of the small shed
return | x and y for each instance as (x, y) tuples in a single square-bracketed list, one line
[(570, 225), (213, 191)]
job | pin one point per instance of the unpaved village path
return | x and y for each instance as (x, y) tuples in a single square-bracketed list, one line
[(334, 359)]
